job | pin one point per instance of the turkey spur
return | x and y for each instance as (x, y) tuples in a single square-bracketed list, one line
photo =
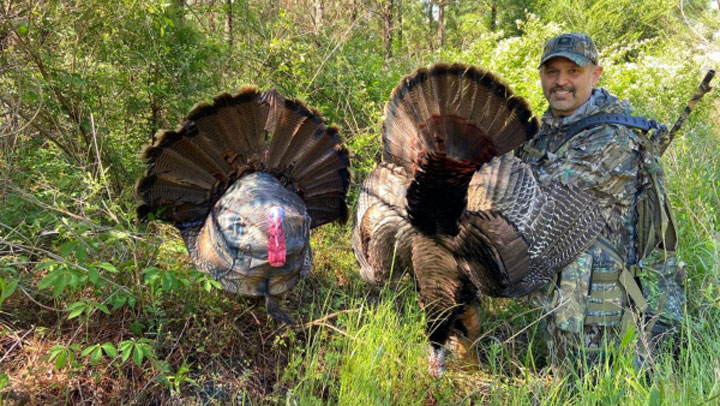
[(453, 206), (244, 180)]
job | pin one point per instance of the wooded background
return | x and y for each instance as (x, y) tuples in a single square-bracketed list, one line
[(98, 309)]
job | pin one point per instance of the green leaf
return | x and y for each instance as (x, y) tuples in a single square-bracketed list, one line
[(81, 252), (45, 265), (95, 357), (118, 235), (67, 248), (108, 267), (110, 349), (137, 327), (654, 397), (89, 349), (169, 281), (150, 274), (76, 309), (61, 360), (48, 280), (22, 29), (118, 301), (101, 307), (8, 290), (126, 348), (93, 275), (59, 285), (138, 355), (4, 380)]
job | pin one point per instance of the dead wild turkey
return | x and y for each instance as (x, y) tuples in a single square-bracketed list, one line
[(452, 206), (244, 180)]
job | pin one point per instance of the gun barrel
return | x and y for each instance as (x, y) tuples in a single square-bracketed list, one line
[(664, 140)]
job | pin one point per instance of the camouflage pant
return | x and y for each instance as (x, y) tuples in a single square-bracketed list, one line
[(586, 304)]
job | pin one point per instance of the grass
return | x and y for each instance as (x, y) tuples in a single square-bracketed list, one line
[(359, 345)]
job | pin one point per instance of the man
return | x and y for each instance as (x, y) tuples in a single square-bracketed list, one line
[(606, 289)]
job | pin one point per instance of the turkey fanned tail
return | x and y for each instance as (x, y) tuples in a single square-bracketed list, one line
[(461, 111), (244, 175), (190, 168)]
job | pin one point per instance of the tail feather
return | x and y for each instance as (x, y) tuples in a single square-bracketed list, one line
[(172, 165), (294, 123), (323, 183), (318, 153), (233, 124), (197, 147), (307, 136), (329, 163), (462, 111), (155, 189), (190, 168)]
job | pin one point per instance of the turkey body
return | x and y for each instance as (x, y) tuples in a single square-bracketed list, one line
[(236, 253), (452, 206), (244, 180)]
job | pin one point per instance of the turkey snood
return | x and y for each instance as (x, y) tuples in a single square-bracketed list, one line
[(276, 237)]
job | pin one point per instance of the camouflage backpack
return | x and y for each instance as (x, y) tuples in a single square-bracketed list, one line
[(660, 294)]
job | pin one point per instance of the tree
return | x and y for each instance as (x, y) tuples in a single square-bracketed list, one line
[(441, 22), (230, 22), (388, 27)]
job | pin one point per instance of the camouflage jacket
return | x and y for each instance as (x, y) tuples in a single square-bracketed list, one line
[(603, 159)]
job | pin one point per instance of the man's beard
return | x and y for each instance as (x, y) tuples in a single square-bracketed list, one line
[(566, 102)]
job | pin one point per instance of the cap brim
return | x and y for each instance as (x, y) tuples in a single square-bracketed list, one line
[(577, 58)]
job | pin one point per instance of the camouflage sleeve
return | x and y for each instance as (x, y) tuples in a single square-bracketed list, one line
[(603, 159)]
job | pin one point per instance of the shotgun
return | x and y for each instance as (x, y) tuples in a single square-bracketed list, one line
[(662, 139)]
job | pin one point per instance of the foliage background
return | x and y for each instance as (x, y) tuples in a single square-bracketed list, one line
[(96, 309)]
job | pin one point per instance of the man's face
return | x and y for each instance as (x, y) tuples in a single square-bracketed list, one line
[(566, 84)]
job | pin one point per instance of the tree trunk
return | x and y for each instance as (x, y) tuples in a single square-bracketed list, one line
[(388, 20), (399, 23), (231, 37), (354, 11), (154, 101), (493, 15), (319, 15), (211, 18), (441, 22)]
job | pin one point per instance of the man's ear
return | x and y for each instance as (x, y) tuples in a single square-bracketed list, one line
[(596, 74)]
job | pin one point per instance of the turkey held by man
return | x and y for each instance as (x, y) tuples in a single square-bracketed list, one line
[(452, 205), (244, 180)]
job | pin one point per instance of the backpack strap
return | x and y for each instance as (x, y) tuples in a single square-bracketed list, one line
[(636, 122), (626, 279), (640, 123)]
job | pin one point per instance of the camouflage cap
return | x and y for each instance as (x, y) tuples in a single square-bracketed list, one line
[(577, 47)]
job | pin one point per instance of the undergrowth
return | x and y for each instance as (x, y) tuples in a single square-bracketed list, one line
[(98, 309)]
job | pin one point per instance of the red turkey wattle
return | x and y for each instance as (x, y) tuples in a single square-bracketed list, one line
[(276, 237)]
